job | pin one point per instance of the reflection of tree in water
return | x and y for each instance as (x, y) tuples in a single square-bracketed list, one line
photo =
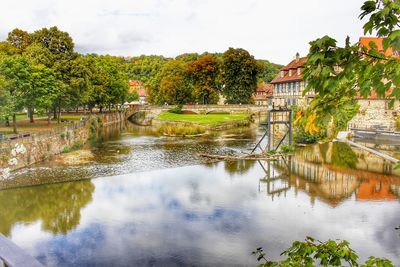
[(57, 206), (238, 166), (343, 155)]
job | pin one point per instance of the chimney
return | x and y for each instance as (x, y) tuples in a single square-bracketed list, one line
[(297, 57)]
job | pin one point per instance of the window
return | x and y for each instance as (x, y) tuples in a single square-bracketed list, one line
[(290, 73), (298, 71), (282, 73), (297, 86)]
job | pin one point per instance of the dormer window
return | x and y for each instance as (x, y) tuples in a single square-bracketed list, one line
[(290, 73), (298, 71), (282, 73)]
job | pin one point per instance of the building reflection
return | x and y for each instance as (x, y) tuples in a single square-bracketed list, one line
[(332, 173)]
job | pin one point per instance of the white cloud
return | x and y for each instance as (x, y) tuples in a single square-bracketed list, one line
[(274, 30)]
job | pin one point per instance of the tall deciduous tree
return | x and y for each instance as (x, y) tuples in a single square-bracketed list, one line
[(174, 85), (204, 73), (239, 70)]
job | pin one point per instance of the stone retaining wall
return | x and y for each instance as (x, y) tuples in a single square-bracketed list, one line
[(20, 153), (375, 113)]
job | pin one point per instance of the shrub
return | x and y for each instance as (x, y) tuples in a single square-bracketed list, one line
[(77, 145), (66, 149), (177, 109), (287, 149), (271, 152), (316, 253)]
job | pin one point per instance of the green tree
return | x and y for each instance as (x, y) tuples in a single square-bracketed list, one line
[(339, 74), (16, 83), (175, 87), (58, 42), (239, 72), (6, 49), (109, 83)]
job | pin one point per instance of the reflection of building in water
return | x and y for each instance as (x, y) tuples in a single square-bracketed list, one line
[(376, 189), (320, 181), (333, 172)]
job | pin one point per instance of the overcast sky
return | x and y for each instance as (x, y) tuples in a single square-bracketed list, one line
[(273, 30)]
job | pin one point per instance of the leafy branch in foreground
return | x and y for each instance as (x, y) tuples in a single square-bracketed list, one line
[(311, 252), (340, 74)]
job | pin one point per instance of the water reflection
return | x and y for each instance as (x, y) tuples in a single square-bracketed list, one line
[(333, 172), (166, 207), (198, 215), (56, 206)]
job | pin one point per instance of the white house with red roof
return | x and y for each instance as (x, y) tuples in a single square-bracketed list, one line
[(289, 84)]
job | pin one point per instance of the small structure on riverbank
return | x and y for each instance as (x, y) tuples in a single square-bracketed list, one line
[(275, 116)]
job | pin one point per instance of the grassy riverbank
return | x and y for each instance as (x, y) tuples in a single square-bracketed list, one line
[(203, 119), (40, 124)]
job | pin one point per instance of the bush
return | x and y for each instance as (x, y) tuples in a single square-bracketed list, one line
[(177, 109), (66, 149), (300, 136), (316, 253), (287, 149), (77, 145), (271, 152)]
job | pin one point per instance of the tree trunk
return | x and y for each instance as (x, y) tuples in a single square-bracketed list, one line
[(15, 123), (49, 117), (101, 109), (30, 114), (7, 121), (59, 115), (54, 113)]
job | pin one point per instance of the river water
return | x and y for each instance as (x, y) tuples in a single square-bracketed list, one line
[(150, 200)]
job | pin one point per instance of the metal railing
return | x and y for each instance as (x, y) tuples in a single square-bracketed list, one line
[(13, 256)]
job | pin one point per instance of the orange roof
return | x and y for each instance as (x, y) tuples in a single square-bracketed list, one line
[(365, 42), (375, 189), (135, 85), (263, 91), (293, 66)]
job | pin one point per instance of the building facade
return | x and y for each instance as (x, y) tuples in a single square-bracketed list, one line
[(263, 94), (289, 84)]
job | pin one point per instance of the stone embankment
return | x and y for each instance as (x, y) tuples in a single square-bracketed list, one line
[(20, 153)]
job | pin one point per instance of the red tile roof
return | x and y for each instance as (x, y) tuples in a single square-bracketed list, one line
[(365, 41), (135, 85), (293, 66), (263, 91)]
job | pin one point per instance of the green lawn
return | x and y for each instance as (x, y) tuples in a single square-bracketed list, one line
[(203, 119)]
